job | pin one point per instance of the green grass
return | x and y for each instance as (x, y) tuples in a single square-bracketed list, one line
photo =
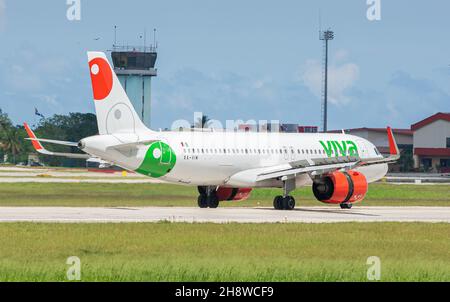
[(225, 252), (96, 194)]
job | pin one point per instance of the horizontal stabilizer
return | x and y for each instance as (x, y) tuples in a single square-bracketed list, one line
[(52, 141), (39, 148)]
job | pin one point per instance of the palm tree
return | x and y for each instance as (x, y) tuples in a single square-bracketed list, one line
[(5, 125), (11, 142), (202, 122)]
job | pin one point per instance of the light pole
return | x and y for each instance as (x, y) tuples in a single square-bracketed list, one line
[(325, 36)]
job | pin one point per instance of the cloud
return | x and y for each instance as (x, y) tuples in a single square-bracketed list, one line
[(48, 99), (53, 83), (229, 95), (341, 78), (341, 55), (412, 98)]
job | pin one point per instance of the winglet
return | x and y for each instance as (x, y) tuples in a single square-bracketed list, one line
[(36, 144), (393, 148)]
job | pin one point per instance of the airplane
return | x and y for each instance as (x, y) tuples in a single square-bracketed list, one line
[(226, 166)]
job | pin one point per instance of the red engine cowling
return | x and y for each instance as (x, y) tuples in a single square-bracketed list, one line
[(224, 193), (339, 187)]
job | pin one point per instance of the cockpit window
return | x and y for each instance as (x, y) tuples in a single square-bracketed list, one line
[(376, 151)]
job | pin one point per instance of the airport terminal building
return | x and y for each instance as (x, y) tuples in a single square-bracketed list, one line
[(427, 141), (431, 143), (378, 136)]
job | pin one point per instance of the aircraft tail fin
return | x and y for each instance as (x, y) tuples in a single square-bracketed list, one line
[(115, 113)]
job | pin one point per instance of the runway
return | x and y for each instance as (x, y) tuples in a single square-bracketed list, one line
[(223, 215)]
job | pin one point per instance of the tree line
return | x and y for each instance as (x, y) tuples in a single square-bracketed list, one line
[(14, 148)]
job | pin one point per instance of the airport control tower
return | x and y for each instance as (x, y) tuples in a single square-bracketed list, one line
[(135, 67)]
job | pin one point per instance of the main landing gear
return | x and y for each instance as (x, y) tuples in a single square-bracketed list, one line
[(285, 202), (207, 197), (346, 205)]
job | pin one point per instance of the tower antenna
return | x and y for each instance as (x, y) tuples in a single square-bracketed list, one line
[(115, 35), (145, 38)]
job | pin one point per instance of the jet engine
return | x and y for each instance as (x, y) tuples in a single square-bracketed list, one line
[(341, 187), (224, 193)]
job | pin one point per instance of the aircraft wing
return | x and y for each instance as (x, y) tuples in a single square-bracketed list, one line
[(314, 169), (321, 166), (39, 148)]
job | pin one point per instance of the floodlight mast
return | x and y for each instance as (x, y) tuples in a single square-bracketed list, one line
[(325, 36)]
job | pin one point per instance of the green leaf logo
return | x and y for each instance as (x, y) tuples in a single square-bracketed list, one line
[(158, 161)]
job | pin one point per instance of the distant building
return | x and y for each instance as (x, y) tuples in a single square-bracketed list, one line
[(275, 127), (247, 128), (308, 129), (378, 137), (432, 143), (289, 128), (33, 160)]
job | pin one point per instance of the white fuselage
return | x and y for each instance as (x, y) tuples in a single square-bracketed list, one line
[(225, 158)]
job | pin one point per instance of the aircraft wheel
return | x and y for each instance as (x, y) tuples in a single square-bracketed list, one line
[(202, 201), (277, 203), (289, 203), (213, 201), (345, 205)]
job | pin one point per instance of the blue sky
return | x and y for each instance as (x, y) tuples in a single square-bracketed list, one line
[(252, 59)]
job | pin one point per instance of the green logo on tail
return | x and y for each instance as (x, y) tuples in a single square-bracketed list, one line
[(158, 161)]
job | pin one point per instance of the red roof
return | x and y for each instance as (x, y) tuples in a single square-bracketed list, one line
[(432, 151), (430, 119), (395, 131)]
